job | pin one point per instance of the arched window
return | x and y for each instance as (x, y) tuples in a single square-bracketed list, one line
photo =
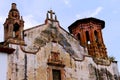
[(96, 35), (79, 37), (16, 30), (87, 37)]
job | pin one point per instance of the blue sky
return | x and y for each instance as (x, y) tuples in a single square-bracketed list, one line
[(68, 11)]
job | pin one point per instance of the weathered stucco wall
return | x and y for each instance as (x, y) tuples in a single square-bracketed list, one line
[(48, 47), (42, 34), (36, 67), (3, 65)]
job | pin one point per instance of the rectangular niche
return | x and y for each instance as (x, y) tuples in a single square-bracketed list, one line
[(56, 74)]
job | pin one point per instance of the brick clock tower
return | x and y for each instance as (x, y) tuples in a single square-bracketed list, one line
[(13, 27), (89, 32)]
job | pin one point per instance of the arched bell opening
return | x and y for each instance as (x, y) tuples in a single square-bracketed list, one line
[(96, 35), (87, 37), (79, 37), (16, 31)]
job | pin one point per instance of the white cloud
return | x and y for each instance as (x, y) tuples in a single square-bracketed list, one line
[(90, 13), (83, 14), (29, 21), (96, 12), (67, 2)]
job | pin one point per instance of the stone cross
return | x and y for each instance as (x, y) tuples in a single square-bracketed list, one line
[(51, 14)]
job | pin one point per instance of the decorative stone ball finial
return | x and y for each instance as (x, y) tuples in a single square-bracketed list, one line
[(13, 6)]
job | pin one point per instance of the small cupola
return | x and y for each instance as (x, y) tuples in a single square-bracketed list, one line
[(13, 26), (88, 31)]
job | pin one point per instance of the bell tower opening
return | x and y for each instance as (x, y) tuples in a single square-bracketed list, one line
[(79, 37), (16, 30), (87, 37), (96, 35)]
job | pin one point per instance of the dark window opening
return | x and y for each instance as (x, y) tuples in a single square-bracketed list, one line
[(87, 37), (96, 35), (16, 27), (79, 37), (16, 30), (56, 74)]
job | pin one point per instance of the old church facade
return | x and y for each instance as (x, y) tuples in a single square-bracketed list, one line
[(48, 52)]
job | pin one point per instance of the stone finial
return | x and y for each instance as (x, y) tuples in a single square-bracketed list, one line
[(13, 13), (13, 6)]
